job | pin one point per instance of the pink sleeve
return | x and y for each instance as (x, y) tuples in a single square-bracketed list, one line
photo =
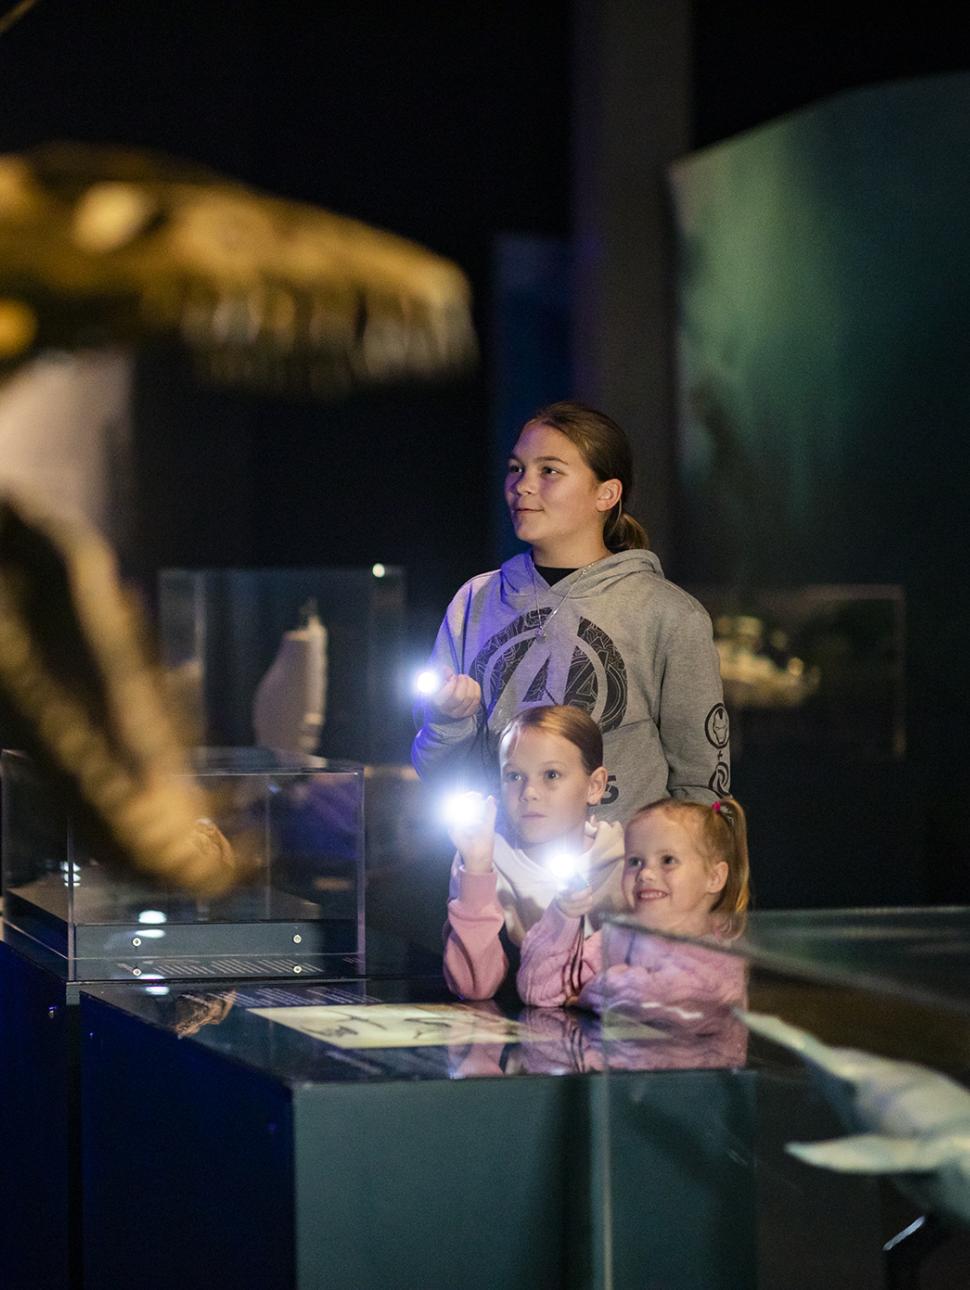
[(686, 977), (474, 961), (554, 967)]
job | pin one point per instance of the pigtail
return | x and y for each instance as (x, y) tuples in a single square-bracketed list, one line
[(730, 822)]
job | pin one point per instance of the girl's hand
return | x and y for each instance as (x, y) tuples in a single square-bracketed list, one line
[(475, 840), (576, 904), (459, 697)]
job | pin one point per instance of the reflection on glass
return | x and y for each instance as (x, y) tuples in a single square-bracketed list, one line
[(186, 1012), (193, 1011), (565, 1041)]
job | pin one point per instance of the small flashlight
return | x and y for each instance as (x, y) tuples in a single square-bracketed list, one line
[(427, 682), (463, 810), (564, 868)]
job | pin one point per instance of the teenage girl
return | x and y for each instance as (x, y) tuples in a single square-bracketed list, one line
[(552, 776), (685, 872), (584, 617)]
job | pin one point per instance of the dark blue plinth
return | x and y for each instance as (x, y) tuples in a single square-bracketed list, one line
[(41, 1226), (39, 1157), (249, 1154)]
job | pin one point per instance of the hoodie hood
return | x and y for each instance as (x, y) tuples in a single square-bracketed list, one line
[(520, 579)]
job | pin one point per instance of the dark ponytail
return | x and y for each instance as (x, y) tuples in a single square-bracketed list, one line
[(623, 532)]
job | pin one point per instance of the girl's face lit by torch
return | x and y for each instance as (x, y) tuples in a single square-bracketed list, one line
[(546, 789)]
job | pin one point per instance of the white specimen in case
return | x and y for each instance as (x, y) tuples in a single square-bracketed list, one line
[(914, 1122), (289, 707)]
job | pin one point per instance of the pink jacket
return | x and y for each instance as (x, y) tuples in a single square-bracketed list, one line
[(475, 964), (557, 968), (516, 893)]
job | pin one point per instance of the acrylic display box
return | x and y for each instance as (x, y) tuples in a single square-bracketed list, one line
[(889, 983), (300, 910), (222, 630)]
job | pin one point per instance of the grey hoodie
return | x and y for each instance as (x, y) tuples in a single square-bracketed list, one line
[(632, 649)]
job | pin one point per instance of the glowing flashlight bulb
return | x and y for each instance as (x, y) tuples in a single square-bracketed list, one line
[(564, 868), (427, 682), (463, 810)]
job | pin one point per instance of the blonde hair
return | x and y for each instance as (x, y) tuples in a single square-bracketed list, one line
[(606, 450), (722, 833), (570, 723)]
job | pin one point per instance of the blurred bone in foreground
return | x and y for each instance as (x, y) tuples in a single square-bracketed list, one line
[(102, 245)]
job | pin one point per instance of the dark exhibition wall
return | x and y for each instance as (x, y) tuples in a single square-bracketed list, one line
[(455, 125), (446, 124), (823, 271)]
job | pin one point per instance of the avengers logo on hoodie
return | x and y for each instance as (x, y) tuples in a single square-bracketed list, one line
[(596, 680)]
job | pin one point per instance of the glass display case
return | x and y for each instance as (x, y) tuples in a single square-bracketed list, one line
[(293, 824), (809, 666), (353, 1102), (768, 1019), (249, 652)]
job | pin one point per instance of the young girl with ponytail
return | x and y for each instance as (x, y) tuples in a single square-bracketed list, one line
[(585, 617)]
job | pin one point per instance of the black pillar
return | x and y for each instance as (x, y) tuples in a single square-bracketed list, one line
[(632, 93)]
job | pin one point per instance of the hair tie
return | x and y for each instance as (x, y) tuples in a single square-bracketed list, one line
[(723, 809)]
